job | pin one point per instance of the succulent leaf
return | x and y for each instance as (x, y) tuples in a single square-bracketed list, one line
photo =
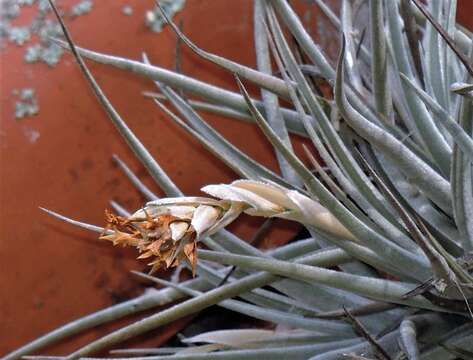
[(394, 178)]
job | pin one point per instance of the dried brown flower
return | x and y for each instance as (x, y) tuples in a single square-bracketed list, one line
[(167, 230)]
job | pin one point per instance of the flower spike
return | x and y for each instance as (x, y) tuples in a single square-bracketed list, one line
[(167, 230)]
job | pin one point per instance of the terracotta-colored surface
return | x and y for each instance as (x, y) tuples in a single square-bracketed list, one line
[(464, 11), (50, 272)]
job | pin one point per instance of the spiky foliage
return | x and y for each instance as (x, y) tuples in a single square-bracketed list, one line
[(392, 208)]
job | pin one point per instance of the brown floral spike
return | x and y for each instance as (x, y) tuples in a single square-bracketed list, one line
[(167, 230)]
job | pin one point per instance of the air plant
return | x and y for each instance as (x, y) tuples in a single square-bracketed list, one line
[(386, 272)]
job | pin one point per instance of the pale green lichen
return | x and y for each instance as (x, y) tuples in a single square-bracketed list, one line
[(43, 50), (19, 35), (127, 10), (153, 18), (81, 8), (27, 105)]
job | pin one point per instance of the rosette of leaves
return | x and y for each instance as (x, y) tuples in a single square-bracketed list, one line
[(388, 276)]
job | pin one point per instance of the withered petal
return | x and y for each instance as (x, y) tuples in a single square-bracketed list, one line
[(190, 251), (145, 255), (120, 238)]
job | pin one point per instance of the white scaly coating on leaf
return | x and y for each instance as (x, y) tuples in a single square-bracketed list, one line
[(232, 337), (199, 349)]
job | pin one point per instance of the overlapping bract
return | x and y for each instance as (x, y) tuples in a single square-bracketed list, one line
[(168, 230)]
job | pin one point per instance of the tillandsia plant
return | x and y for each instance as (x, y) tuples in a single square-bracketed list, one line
[(168, 229), (386, 272)]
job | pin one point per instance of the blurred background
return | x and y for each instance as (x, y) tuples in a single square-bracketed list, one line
[(56, 147)]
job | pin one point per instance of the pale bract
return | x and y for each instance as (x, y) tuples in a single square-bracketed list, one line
[(167, 230), (271, 200)]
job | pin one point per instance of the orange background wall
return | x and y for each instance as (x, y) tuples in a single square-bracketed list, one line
[(51, 273)]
